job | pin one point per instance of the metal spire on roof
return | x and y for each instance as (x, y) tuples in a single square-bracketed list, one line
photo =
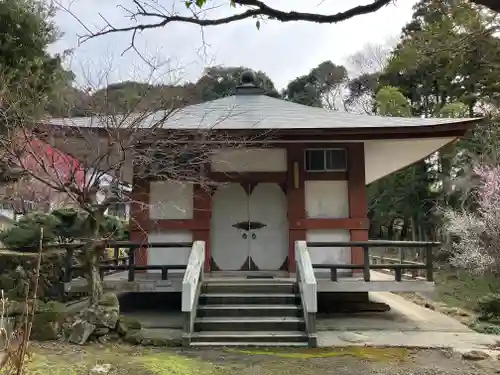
[(248, 85)]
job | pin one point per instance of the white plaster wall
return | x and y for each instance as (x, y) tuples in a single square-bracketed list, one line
[(171, 200), (383, 157), (327, 199), (249, 160), (329, 255), (174, 256)]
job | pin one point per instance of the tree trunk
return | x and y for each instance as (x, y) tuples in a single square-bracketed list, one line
[(414, 234), (93, 276)]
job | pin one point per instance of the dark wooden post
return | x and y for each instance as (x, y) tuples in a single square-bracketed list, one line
[(399, 273), (131, 263), (429, 261), (116, 254), (164, 273), (333, 274), (366, 263)]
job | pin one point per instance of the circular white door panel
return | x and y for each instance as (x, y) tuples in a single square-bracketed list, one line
[(228, 243), (269, 233)]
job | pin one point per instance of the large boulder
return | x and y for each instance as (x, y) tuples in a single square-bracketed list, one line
[(96, 321), (155, 337), (128, 324), (48, 321), (81, 331), (105, 313), (48, 318)]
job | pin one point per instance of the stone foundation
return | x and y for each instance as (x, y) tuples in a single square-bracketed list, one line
[(332, 302)]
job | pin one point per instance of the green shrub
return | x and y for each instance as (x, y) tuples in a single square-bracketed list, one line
[(59, 226), (24, 235), (487, 328), (68, 224), (488, 306)]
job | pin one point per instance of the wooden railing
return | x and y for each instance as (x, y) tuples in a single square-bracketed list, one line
[(191, 286), (122, 263), (306, 282), (412, 273), (397, 267)]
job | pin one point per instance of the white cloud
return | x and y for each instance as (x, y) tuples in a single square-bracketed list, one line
[(282, 50)]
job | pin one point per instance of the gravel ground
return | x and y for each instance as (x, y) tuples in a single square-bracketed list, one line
[(57, 358), (417, 362)]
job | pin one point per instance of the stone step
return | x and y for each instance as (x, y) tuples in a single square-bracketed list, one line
[(249, 298), (267, 323), (248, 344), (250, 310), (249, 287), (262, 337)]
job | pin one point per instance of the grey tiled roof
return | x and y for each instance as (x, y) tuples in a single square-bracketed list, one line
[(257, 112)]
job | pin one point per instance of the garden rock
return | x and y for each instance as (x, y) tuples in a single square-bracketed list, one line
[(126, 324), (47, 326), (105, 314), (48, 318), (155, 337), (101, 331), (100, 369), (81, 331), (475, 355)]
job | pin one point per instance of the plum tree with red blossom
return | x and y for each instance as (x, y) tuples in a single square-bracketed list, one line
[(476, 235)]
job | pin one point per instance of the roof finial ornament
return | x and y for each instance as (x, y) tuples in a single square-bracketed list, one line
[(248, 78), (248, 84)]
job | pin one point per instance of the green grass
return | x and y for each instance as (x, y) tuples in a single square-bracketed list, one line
[(460, 289)]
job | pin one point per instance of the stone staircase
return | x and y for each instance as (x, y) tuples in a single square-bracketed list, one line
[(249, 312)]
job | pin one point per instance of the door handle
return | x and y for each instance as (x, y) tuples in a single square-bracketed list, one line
[(244, 236), (254, 236)]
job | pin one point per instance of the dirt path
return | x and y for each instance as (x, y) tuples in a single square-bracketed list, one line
[(124, 360)]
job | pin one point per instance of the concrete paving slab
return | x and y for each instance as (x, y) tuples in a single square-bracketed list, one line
[(424, 319), (405, 325), (460, 341), (389, 320)]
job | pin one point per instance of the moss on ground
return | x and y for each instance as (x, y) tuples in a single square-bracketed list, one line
[(366, 353), (73, 360), (61, 359)]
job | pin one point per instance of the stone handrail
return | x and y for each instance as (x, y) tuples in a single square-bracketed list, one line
[(193, 276), (306, 282), (191, 287)]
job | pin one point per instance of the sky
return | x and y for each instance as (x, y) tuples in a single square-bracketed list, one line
[(179, 52)]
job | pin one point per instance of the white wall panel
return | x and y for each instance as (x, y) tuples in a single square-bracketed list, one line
[(327, 199), (171, 200), (250, 160)]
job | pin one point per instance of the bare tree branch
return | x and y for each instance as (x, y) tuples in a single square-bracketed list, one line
[(257, 9)]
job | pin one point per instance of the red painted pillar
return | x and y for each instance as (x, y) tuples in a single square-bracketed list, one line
[(139, 219), (202, 212), (296, 200), (357, 197)]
